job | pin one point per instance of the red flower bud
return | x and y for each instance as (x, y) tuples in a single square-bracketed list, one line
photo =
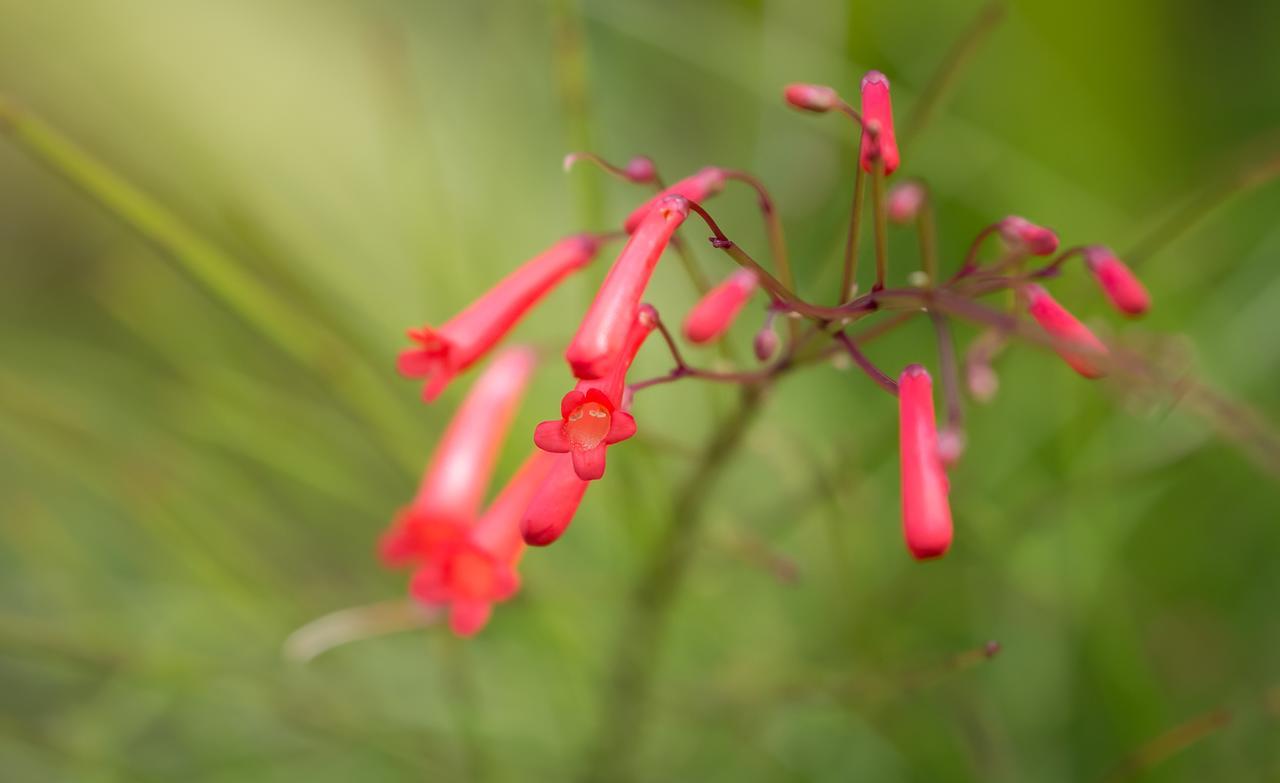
[(1122, 288), (445, 352), (1022, 233), (1060, 324), (697, 188), (877, 114), (715, 312), (811, 97), (641, 170), (926, 512), (905, 200), (454, 483), (594, 349), (765, 343)]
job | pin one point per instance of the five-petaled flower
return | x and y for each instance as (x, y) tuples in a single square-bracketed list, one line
[(444, 352)]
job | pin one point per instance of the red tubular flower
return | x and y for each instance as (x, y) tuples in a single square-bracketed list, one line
[(877, 113), (715, 312), (905, 200), (444, 352), (697, 188), (1065, 327), (591, 416), (480, 570), (1122, 288), (554, 504), (454, 483), (594, 349), (1036, 240), (926, 513), (811, 97)]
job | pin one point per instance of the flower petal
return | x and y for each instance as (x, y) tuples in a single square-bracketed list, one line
[(468, 617), (549, 436), (570, 401), (622, 426), (589, 463)]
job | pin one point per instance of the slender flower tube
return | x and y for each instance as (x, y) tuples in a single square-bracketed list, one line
[(442, 353), (877, 114), (905, 200), (592, 416), (1122, 288), (594, 349), (554, 504), (1022, 233), (926, 512), (714, 313), (697, 188), (480, 570), (1063, 326), (453, 486), (811, 97)]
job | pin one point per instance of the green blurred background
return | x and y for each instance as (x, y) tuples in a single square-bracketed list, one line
[(195, 461)]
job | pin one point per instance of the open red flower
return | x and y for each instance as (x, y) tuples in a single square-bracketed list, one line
[(1089, 356), (697, 188), (591, 416), (877, 114), (554, 504), (444, 352), (1022, 233), (480, 569), (600, 337), (1122, 288), (926, 512), (455, 480), (715, 312)]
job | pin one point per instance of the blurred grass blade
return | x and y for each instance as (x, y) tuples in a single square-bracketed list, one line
[(942, 80), (312, 344), (352, 625)]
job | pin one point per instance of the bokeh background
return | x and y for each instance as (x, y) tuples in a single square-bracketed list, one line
[(202, 434)]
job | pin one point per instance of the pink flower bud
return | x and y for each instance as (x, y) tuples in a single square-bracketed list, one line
[(600, 337), (715, 312), (926, 512), (1122, 288), (1021, 233), (877, 113), (554, 504), (905, 200), (951, 445), (811, 97), (698, 188), (455, 481), (640, 170), (982, 381), (443, 353), (765, 343), (1066, 328)]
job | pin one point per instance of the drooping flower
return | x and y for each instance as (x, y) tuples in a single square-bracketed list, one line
[(905, 200), (1122, 288), (877, 114), (479, 570), (444, 352), (697, 188), (554, 504), (1090, 357), (592, 416), (455, 480), (594, 349), (1022, 233), (811, 97), (715, 312), (926, 512)]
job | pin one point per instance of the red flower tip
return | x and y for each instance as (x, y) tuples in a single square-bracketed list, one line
[(595, 348), (905, 200), (765, 343), (1090, 358), (1036, 240), (926, 512), (878, 139), (715, 312), (1121, 287), (811, 97), (698, 187), (442, 353), (554, 504)]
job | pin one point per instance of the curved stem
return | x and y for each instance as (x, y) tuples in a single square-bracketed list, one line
[(772, 223), (866, 365)]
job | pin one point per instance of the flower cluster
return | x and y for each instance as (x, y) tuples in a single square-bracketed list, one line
[(464, 556)]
